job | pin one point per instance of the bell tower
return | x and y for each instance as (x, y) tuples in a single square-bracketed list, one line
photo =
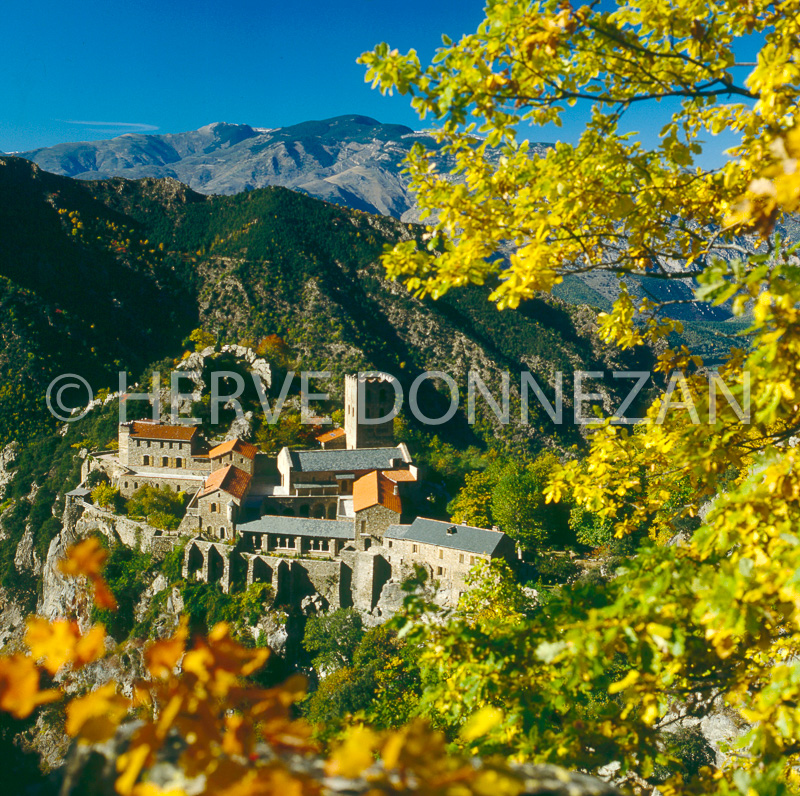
[(374, 397)]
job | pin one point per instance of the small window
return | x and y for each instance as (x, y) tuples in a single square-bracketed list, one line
[(471, 560), (440, 570), (135, 484), (415, 548), (126, 485), (460, 558), (145, 460), (441, 553), (164, 461), (179, 462), (222, 532), (363, 526), (390, 543)]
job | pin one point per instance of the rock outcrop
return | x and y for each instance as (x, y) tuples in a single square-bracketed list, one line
[(91, 771)]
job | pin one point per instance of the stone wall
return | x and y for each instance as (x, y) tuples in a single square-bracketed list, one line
[(235, 458), (212, 514), (209, 562), (374, 521), (370, 572), (132, 533), (446, 565), (128, 483), (171, 450)]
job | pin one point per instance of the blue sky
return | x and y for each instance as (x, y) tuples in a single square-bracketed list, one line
[(88, 70), (172, 65)]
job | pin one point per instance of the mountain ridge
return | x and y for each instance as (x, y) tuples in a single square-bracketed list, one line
[(118, 272), (352, 160)]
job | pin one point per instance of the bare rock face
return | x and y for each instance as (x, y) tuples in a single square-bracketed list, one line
[(61, 595), (7, 458), (25, 558)]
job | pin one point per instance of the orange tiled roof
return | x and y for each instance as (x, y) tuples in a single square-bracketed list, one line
[(229, 479), (328, 436), (245, 448), (375, 489), (399, 475), (144, 430)]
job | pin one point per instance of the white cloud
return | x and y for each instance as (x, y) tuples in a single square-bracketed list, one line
[(126, 127)]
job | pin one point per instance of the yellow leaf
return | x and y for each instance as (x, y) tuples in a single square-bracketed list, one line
[(163, 656), (53, 643), (95, 716), (19, 686), (481, 723), (355, 755), (630, 678)]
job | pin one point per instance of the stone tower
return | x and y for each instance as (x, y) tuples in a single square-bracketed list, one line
[(378, 400), (123, 437)]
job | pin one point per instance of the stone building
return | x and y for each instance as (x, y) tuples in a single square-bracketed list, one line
[(297, 536), (157, 454), (147, 444), (378, 503), (235, 452), (376, 398), (448, 550), (216, 507), (319, 483)]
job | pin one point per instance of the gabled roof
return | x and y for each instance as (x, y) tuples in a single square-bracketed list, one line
[(299, 526), (348, 461), (147, 429), (229, 479), (462, 537), (245, 448), (329, 436), (375, 489)]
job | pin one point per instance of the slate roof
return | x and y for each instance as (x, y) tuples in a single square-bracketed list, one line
[(328, 436), (375, 489), (142, 429), (229, 479), (346, 460), (245, 448), (464, 537), (299, 526)]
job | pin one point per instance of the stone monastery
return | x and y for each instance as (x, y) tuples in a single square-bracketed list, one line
[(337, 523)]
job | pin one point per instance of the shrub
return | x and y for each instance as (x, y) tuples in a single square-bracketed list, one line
[(105, 496)]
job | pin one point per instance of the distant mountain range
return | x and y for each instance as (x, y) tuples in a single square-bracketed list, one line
[(353, 161), (98, 277)]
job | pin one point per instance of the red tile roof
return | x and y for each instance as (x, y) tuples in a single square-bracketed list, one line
[(329, 436), (375, 489), (245, 448), (229, 479), (143, 429), (399, 475)]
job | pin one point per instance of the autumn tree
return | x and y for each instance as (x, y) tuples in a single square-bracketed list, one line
[(592, 677), (472, 505)]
